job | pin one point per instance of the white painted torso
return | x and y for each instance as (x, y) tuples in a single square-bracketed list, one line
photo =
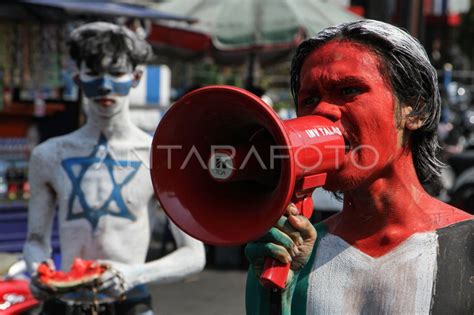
[(344, 280), (114, 237)]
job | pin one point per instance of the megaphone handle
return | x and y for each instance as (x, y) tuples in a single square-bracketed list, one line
[(275, 273)]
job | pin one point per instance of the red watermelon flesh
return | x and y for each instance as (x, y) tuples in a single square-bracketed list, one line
[(82, 272)]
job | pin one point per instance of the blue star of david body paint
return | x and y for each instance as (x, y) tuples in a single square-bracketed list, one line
[(105, 85), (84, 163)]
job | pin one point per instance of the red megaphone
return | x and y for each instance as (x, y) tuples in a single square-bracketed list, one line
[(225, 167)]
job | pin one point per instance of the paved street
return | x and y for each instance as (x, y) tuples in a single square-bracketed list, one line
[(212, 292)]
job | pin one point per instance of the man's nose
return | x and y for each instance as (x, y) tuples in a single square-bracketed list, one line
[(105, 86), (329, 110)]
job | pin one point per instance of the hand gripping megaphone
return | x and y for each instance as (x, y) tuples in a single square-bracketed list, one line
[(225, 167)]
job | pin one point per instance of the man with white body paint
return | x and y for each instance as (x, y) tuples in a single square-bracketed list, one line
[(98, 178)]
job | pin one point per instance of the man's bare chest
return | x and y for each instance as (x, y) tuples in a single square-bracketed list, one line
[(103, 181)]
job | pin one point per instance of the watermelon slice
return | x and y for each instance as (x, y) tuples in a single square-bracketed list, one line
[(83, 273)]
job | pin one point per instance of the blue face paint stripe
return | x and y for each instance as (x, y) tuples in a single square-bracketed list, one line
[(105, 86)]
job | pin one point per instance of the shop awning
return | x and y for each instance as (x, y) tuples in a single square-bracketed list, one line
[(105, 8)]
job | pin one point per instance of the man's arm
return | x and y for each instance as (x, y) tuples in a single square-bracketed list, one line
[(291, 240), (189, 258), (40, 210)]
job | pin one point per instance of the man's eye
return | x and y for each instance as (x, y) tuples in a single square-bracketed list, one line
[(350, 91), (314, 100)]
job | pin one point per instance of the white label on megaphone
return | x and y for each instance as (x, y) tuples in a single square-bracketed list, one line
[(221, 166)]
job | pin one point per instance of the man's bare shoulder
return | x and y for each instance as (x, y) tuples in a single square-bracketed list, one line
[(443, 214), (46, 157), (432, 214), (140, 140), (48, 149), (54, 150), (142, 136), (53, 145)]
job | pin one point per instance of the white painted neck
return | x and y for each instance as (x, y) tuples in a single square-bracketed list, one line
[(115, 127)]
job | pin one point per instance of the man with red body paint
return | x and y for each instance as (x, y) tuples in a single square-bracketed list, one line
[(393, 249)]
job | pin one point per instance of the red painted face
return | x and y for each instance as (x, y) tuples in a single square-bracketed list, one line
[(341, 81)]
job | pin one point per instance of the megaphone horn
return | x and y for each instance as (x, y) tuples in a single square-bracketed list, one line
[(224, 166)]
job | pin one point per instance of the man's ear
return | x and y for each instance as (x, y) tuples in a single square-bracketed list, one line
[(77, 80), (411, 122), (137, 75)]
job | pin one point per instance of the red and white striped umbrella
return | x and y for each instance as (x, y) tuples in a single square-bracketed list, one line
[(231, 30)]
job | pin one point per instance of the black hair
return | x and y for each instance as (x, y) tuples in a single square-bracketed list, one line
[(407, 69), (94, 41)]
